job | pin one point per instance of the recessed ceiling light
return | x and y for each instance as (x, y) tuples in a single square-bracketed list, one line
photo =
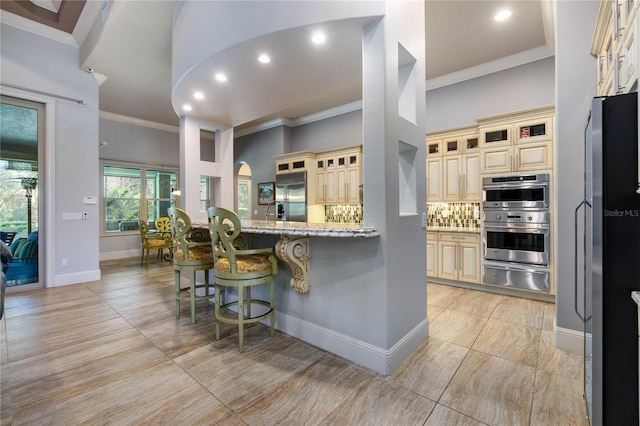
[(221, 77), (264, 58), (502, 15), (198, 95), (318, 38), (186, 107)]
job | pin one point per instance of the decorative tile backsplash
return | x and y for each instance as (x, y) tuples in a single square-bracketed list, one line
[(453, 215), (343, 213)]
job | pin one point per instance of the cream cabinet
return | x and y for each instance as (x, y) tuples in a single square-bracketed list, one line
[(453, 166), (295, 162), (459, 256), (338, 176), (434, 170), (615, 45), (521, 142), (432, 254)]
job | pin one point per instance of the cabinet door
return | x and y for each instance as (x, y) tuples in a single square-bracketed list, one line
[(432, 257), (320, 187), (452, 172), (330, 186), (496, 160), (447, 260), (536, 130), (353, 185), (341, 185), (469, 262), (472, 184), (434, 181), (495, 136), (533, 157)]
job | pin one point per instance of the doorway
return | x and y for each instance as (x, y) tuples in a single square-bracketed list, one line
[(22, 130), (243, 191)]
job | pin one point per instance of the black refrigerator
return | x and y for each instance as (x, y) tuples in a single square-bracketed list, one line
[(612, 260)]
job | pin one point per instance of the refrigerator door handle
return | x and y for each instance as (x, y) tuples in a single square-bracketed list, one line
[(586, 204)]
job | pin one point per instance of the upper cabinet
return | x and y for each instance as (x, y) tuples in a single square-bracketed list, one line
[(339, 176), (521, 141), (615, 45), (453, 165), (295, 162), (457, 158)]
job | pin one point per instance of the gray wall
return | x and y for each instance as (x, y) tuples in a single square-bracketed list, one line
[(336, 132), (526, 86), (142, 144), (575, 86), (35, 62)]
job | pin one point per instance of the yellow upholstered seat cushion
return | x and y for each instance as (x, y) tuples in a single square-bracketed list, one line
[(195, 253), (244, 264), (156, 242)]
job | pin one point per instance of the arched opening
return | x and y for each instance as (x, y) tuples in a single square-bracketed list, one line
[(243, 191)]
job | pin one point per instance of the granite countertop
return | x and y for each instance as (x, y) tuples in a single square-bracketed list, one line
[(305, 229), (452, 229), (635, 295)]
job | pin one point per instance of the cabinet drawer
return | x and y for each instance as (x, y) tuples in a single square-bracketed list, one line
[(459, 237)]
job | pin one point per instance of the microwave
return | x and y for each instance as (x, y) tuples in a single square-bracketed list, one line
[(517, 191)]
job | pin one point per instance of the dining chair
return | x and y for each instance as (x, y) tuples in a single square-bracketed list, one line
[(241, 269), (190, 256), (151, 243)]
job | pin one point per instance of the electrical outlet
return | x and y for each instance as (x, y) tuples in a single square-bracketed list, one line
[(64, 262), (424, 221), (85, 216)]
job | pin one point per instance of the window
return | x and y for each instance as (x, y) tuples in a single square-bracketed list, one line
[(132, 192)]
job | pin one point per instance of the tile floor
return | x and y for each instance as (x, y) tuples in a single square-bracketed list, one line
[(113, 352)]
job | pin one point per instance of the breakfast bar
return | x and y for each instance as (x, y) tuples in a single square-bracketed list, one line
[(293, 246)]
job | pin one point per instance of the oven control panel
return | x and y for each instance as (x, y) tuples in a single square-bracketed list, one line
[(503, 216)]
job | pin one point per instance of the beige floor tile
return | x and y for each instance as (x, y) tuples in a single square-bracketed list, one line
[(117, 397), (441, 416), (381, 403), (521, 311), (514, 342), (239, 379), (478, 302), (429, 370), (310, 395), (442, 295), (457, 327), (550, 409), (559, 361), (549, 319), (493, 390), (434, 310)]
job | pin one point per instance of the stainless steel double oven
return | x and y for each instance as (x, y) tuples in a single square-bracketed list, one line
[(516, 231)]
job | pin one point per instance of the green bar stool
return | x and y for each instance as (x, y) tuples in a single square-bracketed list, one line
[(189, 256), (242, 269)]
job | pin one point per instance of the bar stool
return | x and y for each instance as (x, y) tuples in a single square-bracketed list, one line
[(242, 269), (190, 256)]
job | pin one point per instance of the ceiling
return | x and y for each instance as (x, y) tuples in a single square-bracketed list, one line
[(133, 52)]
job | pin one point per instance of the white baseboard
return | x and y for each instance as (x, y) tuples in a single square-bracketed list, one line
[(570, 340), (381, 360), (75, 278)]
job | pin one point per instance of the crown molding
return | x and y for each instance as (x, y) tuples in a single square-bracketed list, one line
[(138, 122), (501, 64), (33, 27)]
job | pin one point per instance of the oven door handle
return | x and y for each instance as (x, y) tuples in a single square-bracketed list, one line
[(543, 229)]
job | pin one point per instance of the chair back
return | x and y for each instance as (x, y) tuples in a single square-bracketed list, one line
[(224, 227), (186, 252), (144, 232), (163, 224)]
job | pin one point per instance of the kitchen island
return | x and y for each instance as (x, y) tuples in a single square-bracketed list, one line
[(293, 246)]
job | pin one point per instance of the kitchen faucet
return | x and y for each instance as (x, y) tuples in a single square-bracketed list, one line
[(278, 212)]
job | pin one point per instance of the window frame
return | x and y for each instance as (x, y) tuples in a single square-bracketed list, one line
[(143, 200)]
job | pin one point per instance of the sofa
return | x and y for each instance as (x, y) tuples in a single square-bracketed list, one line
[(23, 268)]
